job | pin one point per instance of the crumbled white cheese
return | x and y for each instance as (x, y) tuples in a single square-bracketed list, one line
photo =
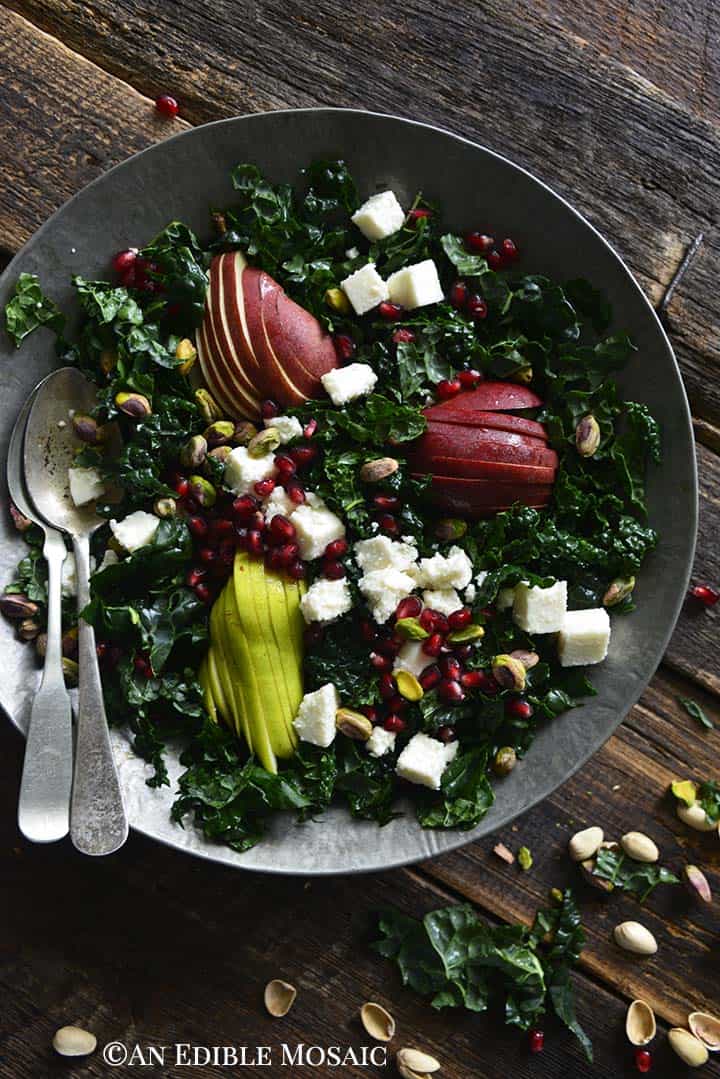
[(381, 552), (380, 216), (278, 501), (243, 471), (352, 253), (470, 593), (416, 285), (453, 570), (343, 384), (136, 530), (442, 600), (316, 526), (584, 637), (424, 760), (85, 485), (287, 427), (383, 589), (365, 289), (412, 658), (540, 610), (380, 742), (326, 600), (315, 721)]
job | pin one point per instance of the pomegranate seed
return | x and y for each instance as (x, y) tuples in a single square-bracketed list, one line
[(391, 312), (182, 487), (371, 713), (403, 336), (705, 594), (198, 527), (387, 523), (472, 679), (263, 488), (281, 530), (167, 105), (285, 466), (295, 492), (194, 576), (441, 624), (643, 1060), (451, 691), (416, 215), (296, 570), (254, 542), (244, 507), (129, 278), (446, 734), (273, 559), (494, 260), (451, 668), (509, 250), (428, 619), (310, 428), (469, 379), (203, 593), (312, 635), (479, 242), (433, 645), (430, 677), (463, 651), (537, 1041), (124, 260), (101, 650), (387, 686), (256, 522), (459, 293), (381, 663), (394, 723), (303, 455), (207, 555), (477, 308), (334, 571), (269, 409), (336, 549), (397, 704), (408, 608), (227, 553), (367, 630), (220, 528), (287, 554), (449, 387), (387, 503), (460, 618), (488, 613), (518, 708), (344, 346)]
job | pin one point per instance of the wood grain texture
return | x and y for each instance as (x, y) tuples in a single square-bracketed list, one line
[(642, 165)]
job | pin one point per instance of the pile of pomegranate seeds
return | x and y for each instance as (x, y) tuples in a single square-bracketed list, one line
[(497, 257)]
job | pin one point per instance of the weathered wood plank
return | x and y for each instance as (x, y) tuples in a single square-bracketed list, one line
[(622, 788), (641, 165)]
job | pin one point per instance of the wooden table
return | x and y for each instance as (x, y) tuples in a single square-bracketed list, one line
[(617, 105)]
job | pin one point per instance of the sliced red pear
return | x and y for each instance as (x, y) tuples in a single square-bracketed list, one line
[(494, 397), (232, 266), (221, 366), (478, 443), (297, 336), (501, 472), (207, 367), (274, 381), (480, 498), (304, 383), (498, 421)]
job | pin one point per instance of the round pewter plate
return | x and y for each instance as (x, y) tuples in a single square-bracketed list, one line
[(181, 178)]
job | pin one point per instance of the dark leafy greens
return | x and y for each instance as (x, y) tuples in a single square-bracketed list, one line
[(28, 308), (625, 874)]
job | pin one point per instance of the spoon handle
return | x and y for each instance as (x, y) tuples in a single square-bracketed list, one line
[(98, 824), (44, 805)]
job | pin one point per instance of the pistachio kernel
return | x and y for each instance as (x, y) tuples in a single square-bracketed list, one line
[(509, 672), (450, 528), (194, 452), (556, 896), (525, 858), (695, 817), (471, 632), (187, 354), (207, 405), (134, 405), (413, 1062), (353, 724), (264, 442), (689, 1048), (411, 629), (697, 883), (618, 590), (408, 686), (504, 761), (70, 671), (684, 790), (378, 470), (202, 491), (587, 436), (165, 507), (523, 375), (338, 301), (528, 659), (585, 844), (219, 433), (244, 432)]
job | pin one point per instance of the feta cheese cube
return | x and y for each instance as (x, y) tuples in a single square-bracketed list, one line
[(584, 637), (453, 570), (380, 216), (287, 427), (343, 384), (381, 552), (383, 589), (315, 721), (276, 502), (540, 610), (85, 485), (380, 742), (136, 530), (412, 658), (316, 526), (242, 471), (424, 760), (326, 600), (416, 285), (442, 600), (365, 289)]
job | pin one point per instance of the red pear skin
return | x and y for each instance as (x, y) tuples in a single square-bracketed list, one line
[(274, 379), (523, 475), (475, 499), (494, 397), (499, 421), (298, 337), (482, 444)]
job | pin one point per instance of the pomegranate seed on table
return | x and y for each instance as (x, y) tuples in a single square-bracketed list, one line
[(643, 1060), (203, 593), (310, 428), (477, 308), (479, 242), (344, 346), (334, 571), (449, 387), (254, 542), (518, 708), (451, 691), (451, 668), (446, 734), (296, 570), (387, 523), (508, 250), (403, 336), (387, 686), (391, 312), (269, 409), (460, 618), (387, 503), (381, 662), (198, 527), (705, 594), (336, 549), (433, 645), (303, 455), (408, 608), (469, 379), (281, 530), (394, 723), (494, 260), (416, 215), (537, 1041), (124, 260), (430, 677), (263, 488), (167, 105)]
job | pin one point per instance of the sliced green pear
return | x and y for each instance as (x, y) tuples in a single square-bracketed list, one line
[(216, 686), (208, 699), (248, 678)]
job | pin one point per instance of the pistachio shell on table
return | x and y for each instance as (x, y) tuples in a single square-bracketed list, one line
[(639, 847), (279, 997), (689, 1048), (74, 1042), (640, 1025), (706, 1029), (585, 844), (413, 1063), (695, 817), (377, 1021), (634, 937)]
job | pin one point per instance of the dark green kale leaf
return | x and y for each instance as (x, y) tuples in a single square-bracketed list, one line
[(341, 657), (419, 363), (693, 709), (156, 565), (590, 303), (708, 795), (465, 795), (463, 261), (366, 782), (31, 573), (180, 265), (28, 308), (372, 421), (627, 875)]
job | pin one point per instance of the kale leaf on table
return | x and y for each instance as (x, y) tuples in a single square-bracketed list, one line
[(625, 874)]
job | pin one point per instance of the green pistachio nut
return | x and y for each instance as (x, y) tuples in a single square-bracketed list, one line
[(450, 528), (509, 672), (618, 590), (685, 791), (87, 429), (202, 491), (587, 436), (525, 858), (207, 405), (336, 299), (472, 632), (194, 452), (165, 507), (220, 454), (28, 629), (504, 761), (353, 725), (186, 353), (219, 433), (556, 896), (528, 659), (264, 442), (134, 405), (411, 629), (70, 671), (244, 432)]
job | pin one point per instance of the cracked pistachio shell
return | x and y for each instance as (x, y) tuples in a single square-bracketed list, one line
[(684, 790), (640, 1025), (279, 997), (689, 1048), (413, 1062), (353, 724), (706, 1029), (377, 1021), (74, 1042), (697, 883), (585, 844)]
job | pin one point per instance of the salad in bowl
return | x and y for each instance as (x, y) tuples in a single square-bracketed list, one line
[(380, 501)]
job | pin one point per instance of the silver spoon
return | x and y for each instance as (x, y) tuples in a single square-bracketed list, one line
[(44, 804), (98, 823)]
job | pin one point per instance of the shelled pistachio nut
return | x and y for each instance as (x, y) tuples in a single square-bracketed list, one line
[(134, 405), (695, 817), (193, 452), (378, 470), (377, 1021), (636, 938), (509, 672), (618, 590), (585, 844), (689, 1048), (353, 724), (74, 1042), (639, 847), (528, 659), (413, 1062), (336, 299), (684, 790), (219, 433), (264, 442), (244, 432), (202, 491), (408, 686), (411, 629), (640, 1025), (17, 607), (697, 883), (706, 1029), (207, 405), (186, 352), (587, 436), (279, 997), (165, 507), (87, 429)]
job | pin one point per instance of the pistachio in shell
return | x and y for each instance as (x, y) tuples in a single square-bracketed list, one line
[(689, 1048), (587, 436), (378, 470), (377, 1021), (219, 433), (528, 659), (279, 997), (74, 1042), (87, 429), (618, 590), (165, 507), (17, 607), (585, 844), (193, 452), (706, 1029), (640, 1025), (412, 1063), (504, 761), (134, 405), (203, 491), (28, 629), (509, 672), (244, 432), (207, 405), (697, 883), (264, 442), (186, 353), (353, 724), (695, 817)]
